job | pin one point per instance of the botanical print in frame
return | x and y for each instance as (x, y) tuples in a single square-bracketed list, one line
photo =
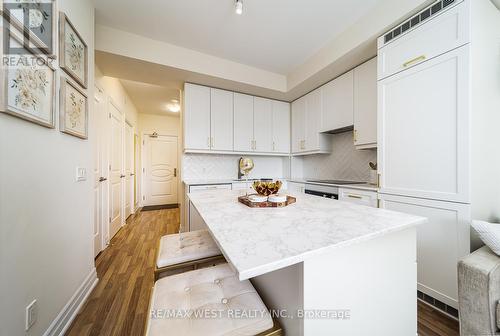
[(73, 110), (37, 19), (28, 88), (73, 51)]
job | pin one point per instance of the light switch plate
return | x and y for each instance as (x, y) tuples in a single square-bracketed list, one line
[(81, 174), (31, 314)]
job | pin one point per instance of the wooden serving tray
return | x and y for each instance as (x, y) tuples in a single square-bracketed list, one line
[(247, 202)]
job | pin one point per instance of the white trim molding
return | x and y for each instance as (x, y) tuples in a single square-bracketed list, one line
[(63, 320)]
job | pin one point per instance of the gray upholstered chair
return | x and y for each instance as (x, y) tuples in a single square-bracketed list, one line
[(479, 293)]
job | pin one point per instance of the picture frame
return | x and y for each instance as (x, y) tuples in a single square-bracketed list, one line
[(28, 86), (73, 109), (73, 51), (39, 39)]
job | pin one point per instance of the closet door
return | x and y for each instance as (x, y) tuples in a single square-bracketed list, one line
[(243, 122), (262, 125), (423, 127), (116, 173), (221, 120)]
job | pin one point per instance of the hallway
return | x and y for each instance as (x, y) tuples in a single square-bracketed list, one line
[(119, 303)]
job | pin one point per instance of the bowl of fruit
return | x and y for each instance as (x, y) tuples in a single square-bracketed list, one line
[(266, 188)]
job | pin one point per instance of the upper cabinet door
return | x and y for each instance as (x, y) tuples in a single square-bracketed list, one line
[(281, 127), (313, 120), (243, 122), (337, 103), (262, 114), (197, 117), (365, 105), (221, 120), (298, 125), (423, 136), (442, 33)]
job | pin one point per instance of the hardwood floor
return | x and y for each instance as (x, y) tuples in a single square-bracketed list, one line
[(119, 303)]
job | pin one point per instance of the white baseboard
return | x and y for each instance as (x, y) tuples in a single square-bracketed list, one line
[(63, 320)]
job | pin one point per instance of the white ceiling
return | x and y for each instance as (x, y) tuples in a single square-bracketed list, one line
[(151, 99), (275, 35)]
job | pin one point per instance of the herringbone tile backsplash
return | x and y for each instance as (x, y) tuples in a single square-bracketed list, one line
[(344, 163)]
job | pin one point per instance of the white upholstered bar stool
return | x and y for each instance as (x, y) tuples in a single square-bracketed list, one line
[(218, 303), (186, 251)]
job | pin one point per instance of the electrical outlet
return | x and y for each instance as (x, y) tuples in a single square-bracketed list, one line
[(31, 314)]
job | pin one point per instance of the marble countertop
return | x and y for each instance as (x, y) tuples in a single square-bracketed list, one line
[(257, 241), (193, 182)]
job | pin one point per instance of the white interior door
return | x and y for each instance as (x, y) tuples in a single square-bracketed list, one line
[(160, 170), (129, 169), (116, 170), (100, 174)]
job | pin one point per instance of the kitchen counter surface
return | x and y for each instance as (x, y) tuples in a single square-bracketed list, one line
[(258, 241), (193, 182), (364, 186)]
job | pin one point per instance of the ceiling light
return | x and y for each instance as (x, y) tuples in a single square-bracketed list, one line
[(174, 106), (239, 7)]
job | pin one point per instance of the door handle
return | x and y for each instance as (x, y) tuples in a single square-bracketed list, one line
[(132, 174), (102, 179), (175, 172), (122, 176)]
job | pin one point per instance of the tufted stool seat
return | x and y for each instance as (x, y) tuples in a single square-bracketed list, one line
[(208, 302), (186, 251)]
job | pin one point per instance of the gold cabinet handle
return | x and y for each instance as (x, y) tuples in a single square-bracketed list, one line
[(378, 180), (414, 60), (175, 172), (354, 196)]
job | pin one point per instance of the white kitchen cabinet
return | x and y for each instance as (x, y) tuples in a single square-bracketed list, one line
[(243, 122), (221, 120), (361, 197), (365, 105), (337, 103), (296, 188), (313, 121), (424, 122), (281, 127), (440, 243), (306, 123), (197, 117), (442, 33), (262, 125), (195, 221), (298, 125)]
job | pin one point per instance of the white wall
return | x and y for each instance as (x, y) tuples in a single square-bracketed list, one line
[(46, 250), (166, 125), (114, 89)]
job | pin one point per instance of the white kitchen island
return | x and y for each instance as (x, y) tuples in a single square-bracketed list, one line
[(326, 267)]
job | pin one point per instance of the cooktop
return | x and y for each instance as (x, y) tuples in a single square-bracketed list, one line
[(340, 182)]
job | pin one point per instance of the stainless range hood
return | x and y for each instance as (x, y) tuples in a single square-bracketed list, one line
[(341, 130)]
